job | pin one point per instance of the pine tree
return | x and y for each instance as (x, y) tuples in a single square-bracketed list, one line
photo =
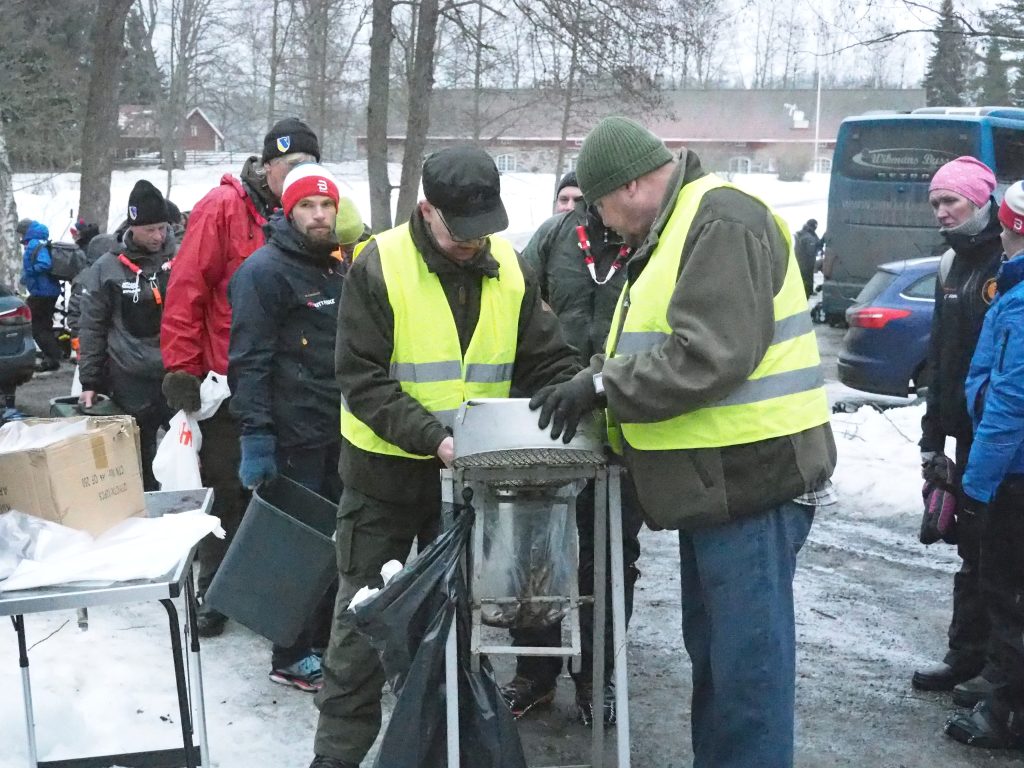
[(1016, 97), (945, 80), (994, 84)]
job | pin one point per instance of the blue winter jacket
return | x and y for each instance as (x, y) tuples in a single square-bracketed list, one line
[(36, 263), (995, 388)]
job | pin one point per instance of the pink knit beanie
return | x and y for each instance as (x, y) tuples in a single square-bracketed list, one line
[(967, 177)]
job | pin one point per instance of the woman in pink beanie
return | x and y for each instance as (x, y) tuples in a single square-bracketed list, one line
[(961, 197)]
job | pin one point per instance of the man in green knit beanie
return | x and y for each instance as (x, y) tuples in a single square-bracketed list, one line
[(715, 400)]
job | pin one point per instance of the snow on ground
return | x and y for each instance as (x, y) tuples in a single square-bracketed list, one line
[(53, 199), (110, 689)]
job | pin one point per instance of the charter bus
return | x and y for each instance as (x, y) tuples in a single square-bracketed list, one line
[(878, 207)]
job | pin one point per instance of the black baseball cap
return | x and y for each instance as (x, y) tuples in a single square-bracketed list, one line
[(464, 185)]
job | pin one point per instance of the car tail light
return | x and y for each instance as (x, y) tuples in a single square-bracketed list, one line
[(16, 316), (875, 317)]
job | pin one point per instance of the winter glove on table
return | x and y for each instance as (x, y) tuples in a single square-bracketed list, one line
[(182, 391), (563, 405), (259, 462)]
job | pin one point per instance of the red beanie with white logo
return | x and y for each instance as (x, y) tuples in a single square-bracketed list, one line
[(307, 180), (1011, 212)]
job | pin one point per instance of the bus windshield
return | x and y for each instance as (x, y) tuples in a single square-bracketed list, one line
[(894, 151)]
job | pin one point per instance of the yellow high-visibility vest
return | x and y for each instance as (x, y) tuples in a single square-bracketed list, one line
[(784, 395), (426, 359)]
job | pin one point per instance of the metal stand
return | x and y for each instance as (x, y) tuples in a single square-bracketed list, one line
[(607, 512)]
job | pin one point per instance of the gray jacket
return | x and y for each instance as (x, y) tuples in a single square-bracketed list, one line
[(119, 326)]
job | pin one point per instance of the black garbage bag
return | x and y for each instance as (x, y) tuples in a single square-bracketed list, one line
[(408, 622)]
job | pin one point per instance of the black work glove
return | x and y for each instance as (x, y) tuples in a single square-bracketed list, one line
[(563, 405), (182, 391)]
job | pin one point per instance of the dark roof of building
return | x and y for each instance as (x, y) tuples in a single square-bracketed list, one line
[(681, 116)]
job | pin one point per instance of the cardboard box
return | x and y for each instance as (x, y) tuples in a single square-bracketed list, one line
[(90, 481)]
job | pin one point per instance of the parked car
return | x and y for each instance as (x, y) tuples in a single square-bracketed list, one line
[(885, 349), (17, 349)]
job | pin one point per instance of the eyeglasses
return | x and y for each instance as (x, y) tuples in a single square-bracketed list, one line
[(451, 234)]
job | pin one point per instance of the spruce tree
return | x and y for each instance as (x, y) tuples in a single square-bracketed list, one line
[(994, 84), (1016, 97), (945, 80)]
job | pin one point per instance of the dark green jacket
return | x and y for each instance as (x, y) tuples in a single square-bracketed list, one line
[(363, 358), (734, 261), (583, 307)]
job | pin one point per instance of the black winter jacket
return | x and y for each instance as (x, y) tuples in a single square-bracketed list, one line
[(119, 326), (365, 344), (584, 308), (284, 311), (960, 306)]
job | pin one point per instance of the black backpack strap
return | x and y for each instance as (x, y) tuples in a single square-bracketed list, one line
[(35, 253)]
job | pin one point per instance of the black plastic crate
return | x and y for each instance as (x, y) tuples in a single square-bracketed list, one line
[(280, 563)]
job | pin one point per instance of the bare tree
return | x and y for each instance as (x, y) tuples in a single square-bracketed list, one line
[(280, 30), (421, 87), (99, 123), (10, 250), (381, 35)]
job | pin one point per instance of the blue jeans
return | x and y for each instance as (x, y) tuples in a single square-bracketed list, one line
[(738, 628)]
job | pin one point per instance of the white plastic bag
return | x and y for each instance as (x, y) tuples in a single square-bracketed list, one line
[(76, 384), (176, 465)]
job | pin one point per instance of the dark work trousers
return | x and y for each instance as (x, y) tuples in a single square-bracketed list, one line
[(545, 670), (42, 308), (316, 469), (370, 533), (1002, 545), (218, 464), (970, 627), (142, 399)]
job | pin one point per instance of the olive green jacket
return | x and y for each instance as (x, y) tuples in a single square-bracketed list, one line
[(733, 263)]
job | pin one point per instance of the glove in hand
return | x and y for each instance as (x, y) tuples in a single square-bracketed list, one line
[(182, 391), (563, 405), (259, 460), (941, 488)]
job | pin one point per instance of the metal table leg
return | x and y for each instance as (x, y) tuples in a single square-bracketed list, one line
[(619, 617), (182, 683), (597, 656), (451, 679), (26, 690), (198, 700)]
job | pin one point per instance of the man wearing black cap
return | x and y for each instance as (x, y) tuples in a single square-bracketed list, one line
[(225, 227), (119, 341), (440, 293), (567, 193)]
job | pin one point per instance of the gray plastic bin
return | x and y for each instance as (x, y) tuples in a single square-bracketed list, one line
[(280, 563)]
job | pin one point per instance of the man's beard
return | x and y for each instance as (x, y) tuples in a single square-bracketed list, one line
[(320, 242)]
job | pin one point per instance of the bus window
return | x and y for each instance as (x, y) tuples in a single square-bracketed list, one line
[(890, 151), (1009, 154)]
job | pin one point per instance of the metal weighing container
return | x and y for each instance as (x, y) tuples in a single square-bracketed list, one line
[(503, 432), (527, 542)]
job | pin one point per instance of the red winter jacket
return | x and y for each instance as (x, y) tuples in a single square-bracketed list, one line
[(224, 228)]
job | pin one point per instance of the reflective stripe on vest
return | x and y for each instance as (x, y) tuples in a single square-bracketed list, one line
[(426, 358), (784, 395)]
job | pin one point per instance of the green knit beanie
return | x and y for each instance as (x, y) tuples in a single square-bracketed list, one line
[(349, 224), (617, 151)]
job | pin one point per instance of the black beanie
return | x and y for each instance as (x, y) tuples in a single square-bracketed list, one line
[(146, 205), (289, 136), (569, 180)]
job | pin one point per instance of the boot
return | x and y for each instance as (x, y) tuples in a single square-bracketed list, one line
[(322, 761), (209, 622), (969, 693), (982, 727), (523, 694), (943, 677)]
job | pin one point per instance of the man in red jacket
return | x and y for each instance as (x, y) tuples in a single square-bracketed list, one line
[(225, 227)]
